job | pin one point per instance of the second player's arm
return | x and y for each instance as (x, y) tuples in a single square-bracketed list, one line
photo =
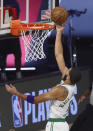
[(84, 96)]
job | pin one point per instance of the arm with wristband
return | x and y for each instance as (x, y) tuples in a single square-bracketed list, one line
[(54, 93), (11, 89)]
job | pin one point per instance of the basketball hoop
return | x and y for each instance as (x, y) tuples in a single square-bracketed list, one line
[(33, 35)]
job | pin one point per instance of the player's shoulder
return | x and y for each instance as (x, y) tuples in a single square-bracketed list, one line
[(59, 90)]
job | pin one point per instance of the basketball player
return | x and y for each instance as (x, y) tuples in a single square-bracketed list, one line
[(84, 121), (60, 95)]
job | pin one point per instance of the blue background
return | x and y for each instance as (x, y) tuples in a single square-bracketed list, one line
[(83, 25)]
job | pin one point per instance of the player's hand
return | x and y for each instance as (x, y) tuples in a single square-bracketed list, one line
[(65, 72), (60, 27), (11, 89), (81, 99)]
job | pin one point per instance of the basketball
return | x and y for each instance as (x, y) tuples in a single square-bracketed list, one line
[(59, 15)]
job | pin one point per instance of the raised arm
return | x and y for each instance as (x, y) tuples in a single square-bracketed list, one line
[(54, 93), (59, 50)]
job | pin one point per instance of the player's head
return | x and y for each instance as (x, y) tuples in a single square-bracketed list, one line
[(75, 75)]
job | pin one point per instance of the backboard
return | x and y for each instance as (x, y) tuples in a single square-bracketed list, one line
[(26, 10)]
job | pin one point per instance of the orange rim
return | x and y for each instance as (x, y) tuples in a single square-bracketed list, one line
[(17, 27), (36, 26), (30, 26)]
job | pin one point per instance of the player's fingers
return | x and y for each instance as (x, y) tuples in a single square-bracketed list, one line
[(63, 25), (79, 101), (11, 86), (58, 26), (7, 86)]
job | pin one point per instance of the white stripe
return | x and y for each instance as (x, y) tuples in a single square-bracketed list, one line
[(23, 68)]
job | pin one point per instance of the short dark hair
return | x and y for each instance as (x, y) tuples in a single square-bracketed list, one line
[(75, 75)]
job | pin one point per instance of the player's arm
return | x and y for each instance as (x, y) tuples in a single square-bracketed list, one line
[(12, 89), (84, 96), (59, 49), (54, 93)]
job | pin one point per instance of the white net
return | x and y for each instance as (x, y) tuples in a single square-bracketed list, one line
[(33, 35), (34, 44)]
